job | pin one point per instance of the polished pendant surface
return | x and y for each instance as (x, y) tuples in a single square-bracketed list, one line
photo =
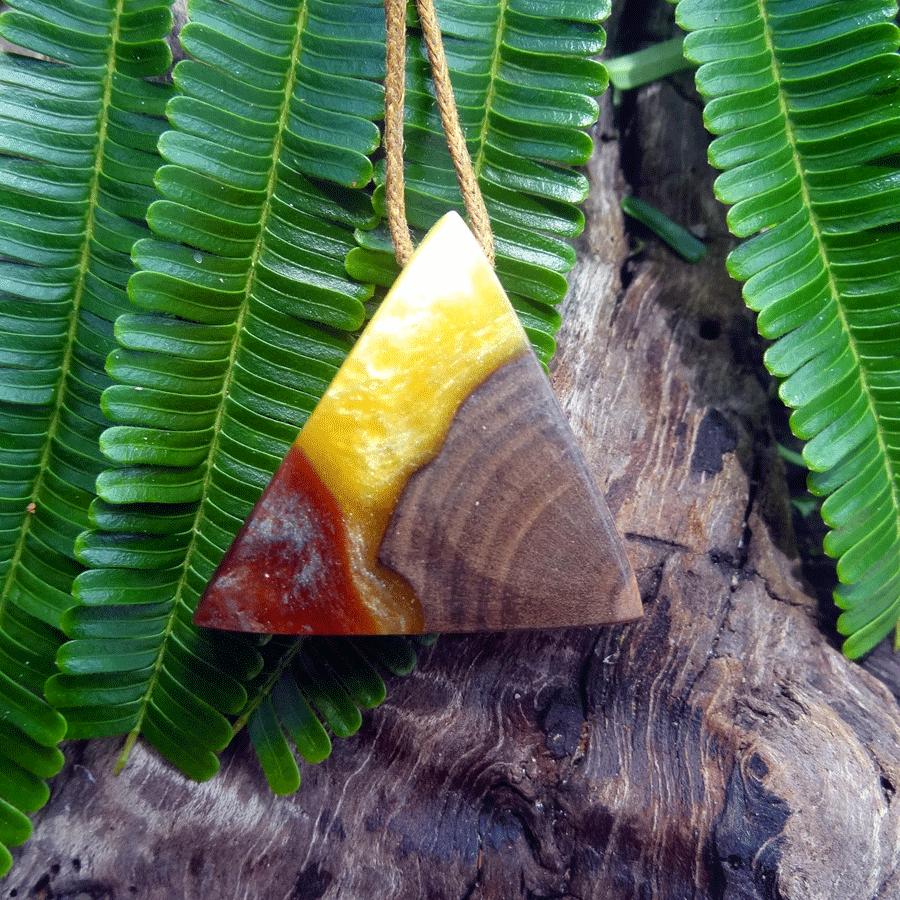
[(437, 485)]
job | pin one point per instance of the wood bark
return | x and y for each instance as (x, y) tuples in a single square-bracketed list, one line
[(719, 748)]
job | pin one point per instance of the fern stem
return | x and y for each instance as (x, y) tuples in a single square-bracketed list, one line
[(284, 662), (648, 65), (125, 753), (290, 82), (478, 160)]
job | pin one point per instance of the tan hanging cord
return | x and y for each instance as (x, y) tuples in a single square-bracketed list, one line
[(395, 85), (394, 103)]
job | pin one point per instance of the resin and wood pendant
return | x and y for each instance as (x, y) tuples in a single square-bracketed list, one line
[(436, 486)]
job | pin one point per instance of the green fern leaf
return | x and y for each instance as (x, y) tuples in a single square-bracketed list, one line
[(77, 137), (329, 682), (525, 83), (272, 749), (803, 98), (245, 312)]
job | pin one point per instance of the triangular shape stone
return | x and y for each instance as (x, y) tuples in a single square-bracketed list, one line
[(436, 486)]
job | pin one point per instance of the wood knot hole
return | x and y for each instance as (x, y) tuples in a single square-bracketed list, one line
[(709, 329)]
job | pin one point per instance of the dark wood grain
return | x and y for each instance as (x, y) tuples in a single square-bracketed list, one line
[(506, 528)]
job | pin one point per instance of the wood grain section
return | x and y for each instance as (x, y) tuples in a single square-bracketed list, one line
[(506, 528)]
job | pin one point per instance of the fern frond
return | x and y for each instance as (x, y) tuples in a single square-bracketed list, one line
[(803, 97), (525, 81), (243, 315), (77, 137), (328, 683)]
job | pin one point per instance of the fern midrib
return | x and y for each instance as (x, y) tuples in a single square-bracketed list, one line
[(290, 81), (833, 288), (74, 315), (478, 161), (284, 662)]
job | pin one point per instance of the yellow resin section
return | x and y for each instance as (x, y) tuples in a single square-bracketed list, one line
[(443, 328)]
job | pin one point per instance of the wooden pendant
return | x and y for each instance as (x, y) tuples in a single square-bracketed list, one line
[(435, 487), (506, 528)]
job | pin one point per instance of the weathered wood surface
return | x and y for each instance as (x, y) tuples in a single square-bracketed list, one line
[(719, 748)]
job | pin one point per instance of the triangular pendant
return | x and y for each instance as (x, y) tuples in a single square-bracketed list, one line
[(436, 486)]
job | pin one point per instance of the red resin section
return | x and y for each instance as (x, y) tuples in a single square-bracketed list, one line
[(287, 570)]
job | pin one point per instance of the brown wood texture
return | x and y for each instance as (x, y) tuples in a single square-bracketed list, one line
[(719, 748), (506, 528)]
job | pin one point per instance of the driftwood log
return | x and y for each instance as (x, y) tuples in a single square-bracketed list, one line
[(719, 748)]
